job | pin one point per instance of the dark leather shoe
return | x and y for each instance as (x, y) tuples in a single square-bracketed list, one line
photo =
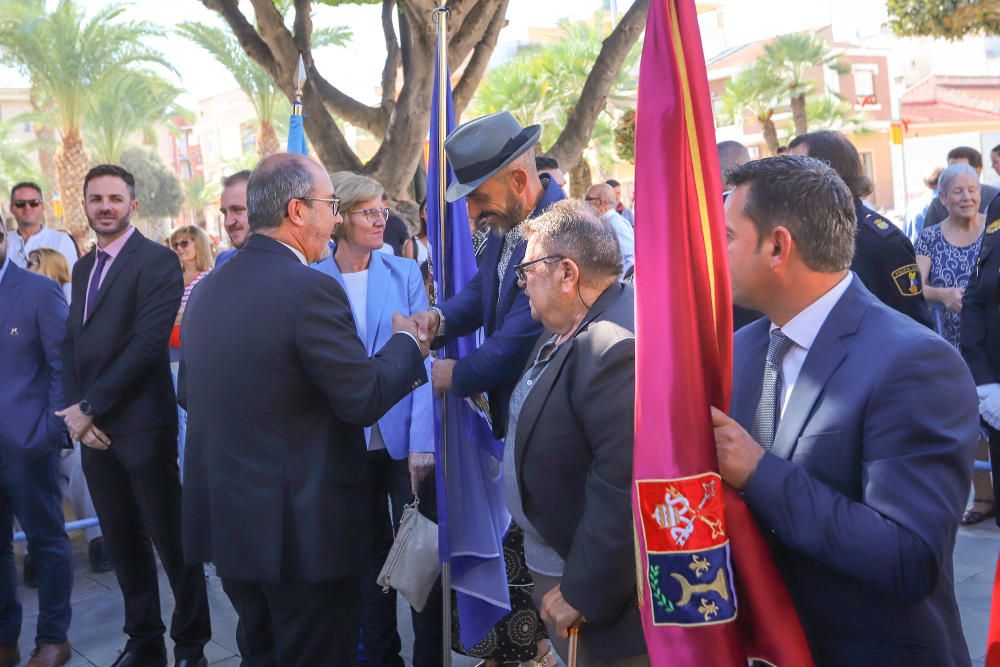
[(50, 655), (100, 557), (137, 659), (30, 572), (9, 656), (192, 662)]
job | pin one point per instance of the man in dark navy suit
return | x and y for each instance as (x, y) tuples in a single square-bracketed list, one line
[(494, 162), (32, 327), (859, 493)]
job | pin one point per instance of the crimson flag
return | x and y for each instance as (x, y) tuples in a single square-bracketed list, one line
[(711, 594)]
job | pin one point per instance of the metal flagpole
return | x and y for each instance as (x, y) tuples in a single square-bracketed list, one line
[(441, 13)]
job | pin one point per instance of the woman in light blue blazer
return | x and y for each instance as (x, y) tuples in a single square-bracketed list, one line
[(401, 444)]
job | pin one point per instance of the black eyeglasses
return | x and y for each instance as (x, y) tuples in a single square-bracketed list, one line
[(591, 199), (521, 269), (21, 203), (334, 202)]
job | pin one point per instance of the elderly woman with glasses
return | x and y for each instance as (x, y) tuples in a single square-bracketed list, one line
[(401, 444)]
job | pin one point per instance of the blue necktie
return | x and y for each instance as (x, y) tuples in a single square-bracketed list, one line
[(765, 421), (95, 282)]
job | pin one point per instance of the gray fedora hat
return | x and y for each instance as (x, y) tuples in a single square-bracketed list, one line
[(477, 150)]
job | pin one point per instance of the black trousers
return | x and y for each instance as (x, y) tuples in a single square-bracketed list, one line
[(296, 624), (390, 489), (995, 466), (136, 490)]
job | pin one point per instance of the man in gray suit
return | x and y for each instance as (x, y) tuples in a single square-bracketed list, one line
[(568, 458), (857, 482)]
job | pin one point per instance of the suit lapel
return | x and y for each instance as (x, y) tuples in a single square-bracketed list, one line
[(378, 287), (749, 377), (509, 279), (8, 293), (115, 270), (825, 356), (531, 410)]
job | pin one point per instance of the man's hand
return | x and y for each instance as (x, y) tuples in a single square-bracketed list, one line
[(951, 297), (441, 372), (421, 464), (556, 610), (77, 423), (738, 453), (427, 323), (402, 324), (989, 409), (95, 438)]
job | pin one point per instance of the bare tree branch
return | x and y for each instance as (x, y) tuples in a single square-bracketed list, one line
[(251, 42), (271, 27), (392, 58), (468, 30), (581, 120), (302, 26), (476, 67), (354, 112), (332, 150)]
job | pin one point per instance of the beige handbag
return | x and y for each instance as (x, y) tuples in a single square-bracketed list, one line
[(412, 565)]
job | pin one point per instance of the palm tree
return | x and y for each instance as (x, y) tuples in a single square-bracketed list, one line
[(267, 99), (67, 57), (199, 195), (128, 103), (792, 58), (755, 92), (14, 166)]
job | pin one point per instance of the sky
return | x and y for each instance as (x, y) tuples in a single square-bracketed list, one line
[(355, 69)]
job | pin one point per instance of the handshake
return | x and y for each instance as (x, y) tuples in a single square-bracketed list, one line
[(422, 326)]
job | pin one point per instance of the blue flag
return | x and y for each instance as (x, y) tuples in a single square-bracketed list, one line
[(472, 516), (296, 133)]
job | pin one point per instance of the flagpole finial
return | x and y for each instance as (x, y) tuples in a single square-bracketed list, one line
[(300, 77)]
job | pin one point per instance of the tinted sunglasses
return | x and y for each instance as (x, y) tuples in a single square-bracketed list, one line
[(33, 203)]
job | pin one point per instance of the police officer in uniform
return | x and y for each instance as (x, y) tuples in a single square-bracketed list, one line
[(883, 256), (980, 336)]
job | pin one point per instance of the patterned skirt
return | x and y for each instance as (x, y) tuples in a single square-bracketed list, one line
[(515, 638)]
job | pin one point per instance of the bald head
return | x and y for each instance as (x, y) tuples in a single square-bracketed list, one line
[(731, 154), (602, 197)]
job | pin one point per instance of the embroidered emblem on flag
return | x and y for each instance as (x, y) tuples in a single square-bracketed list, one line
[(692, 588), (684, 514)]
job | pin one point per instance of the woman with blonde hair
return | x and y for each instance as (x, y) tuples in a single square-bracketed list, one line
[(194, 250), (51, 263)]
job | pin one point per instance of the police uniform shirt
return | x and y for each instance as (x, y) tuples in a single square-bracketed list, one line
[(885, 262)]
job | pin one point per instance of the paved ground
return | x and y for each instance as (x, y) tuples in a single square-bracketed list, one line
[(97, 608)]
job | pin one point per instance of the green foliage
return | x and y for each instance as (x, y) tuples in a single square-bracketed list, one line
[(541, 84), (198, 194), (625, 136), (14, 163), (69, 57), (156, 186), (792, 57), (130, 102), (756, 91), (951, 19)]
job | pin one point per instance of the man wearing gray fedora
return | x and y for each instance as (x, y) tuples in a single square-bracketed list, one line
[(494, 162)]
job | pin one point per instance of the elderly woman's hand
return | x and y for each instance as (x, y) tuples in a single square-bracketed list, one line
[(421, 464), (952, 298)]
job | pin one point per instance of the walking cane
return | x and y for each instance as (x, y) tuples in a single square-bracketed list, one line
[(574, 645)]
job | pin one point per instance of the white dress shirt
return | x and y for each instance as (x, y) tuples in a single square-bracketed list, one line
[(626, 238), (298, 254), (802, 331)]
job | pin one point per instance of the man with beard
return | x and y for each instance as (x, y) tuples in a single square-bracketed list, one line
[(126, 293), (233, 206), (494, 163)]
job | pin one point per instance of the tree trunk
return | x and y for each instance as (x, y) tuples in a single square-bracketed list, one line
[(267, 140), (579, 179), (46, 156), (799, 114), (576, 135), (72, 165), (770, 136)]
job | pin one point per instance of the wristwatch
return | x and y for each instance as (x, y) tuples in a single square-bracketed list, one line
[(86, 408)]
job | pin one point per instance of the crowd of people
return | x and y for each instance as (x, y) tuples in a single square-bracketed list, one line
[(270, 410)]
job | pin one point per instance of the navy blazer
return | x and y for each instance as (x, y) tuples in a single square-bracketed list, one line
[(862, 492), (504, 313), (394, 286), (32, 327), (278, 386)]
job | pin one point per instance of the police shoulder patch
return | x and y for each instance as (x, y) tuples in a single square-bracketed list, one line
[(993, 226), (907, 280)]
